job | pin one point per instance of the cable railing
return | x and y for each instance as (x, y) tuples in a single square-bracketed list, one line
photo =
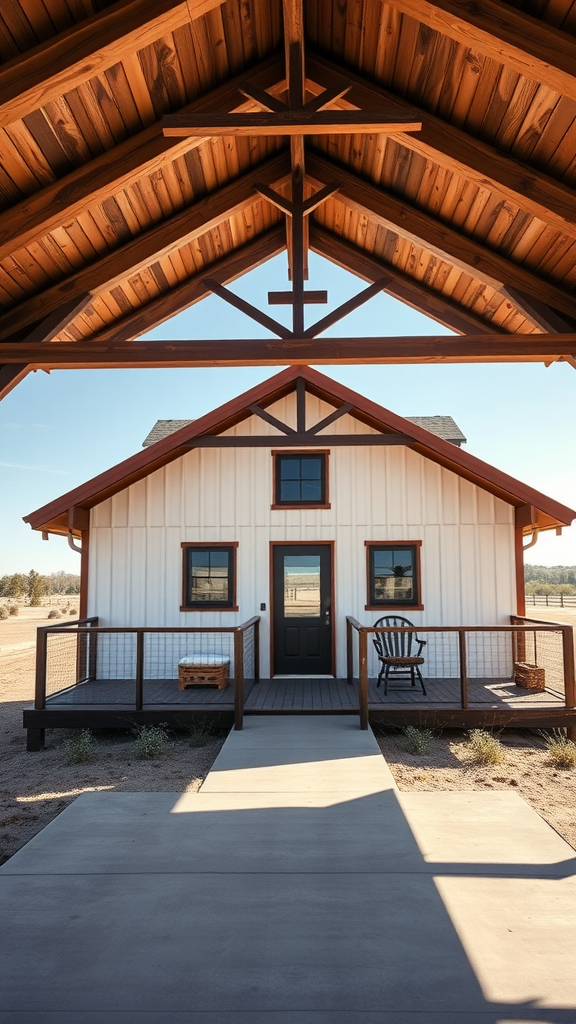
[(525, 653), (137, 667)]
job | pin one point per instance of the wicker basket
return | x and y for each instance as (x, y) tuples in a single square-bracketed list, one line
[(529, 676), (193, 672)]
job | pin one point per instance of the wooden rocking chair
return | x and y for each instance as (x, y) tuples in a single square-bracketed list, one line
[(398, 653)]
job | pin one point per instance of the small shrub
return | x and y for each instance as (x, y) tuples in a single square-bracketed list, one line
[(561, 750), (54, 614), (72, 611), (199, 734), (417, 740), (4, 613), (151, 740), (486, 748), (13, 609), (79, 747)]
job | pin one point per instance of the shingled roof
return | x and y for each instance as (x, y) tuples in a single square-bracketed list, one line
[(442, 426), (155, 150)]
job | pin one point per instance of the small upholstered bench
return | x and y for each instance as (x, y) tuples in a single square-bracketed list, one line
[(204, 670)]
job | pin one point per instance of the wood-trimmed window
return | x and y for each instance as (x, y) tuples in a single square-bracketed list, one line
[(300, 479), (209, 577), (393, 575)]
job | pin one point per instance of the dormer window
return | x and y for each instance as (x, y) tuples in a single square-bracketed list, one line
[(300, 480)]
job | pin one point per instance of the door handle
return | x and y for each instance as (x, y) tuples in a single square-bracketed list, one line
[(327, 617)]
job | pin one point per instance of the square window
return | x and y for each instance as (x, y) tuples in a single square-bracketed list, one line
[(300, 480), (209, 576), (393, 575)]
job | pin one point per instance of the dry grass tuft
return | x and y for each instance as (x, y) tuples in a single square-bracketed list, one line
[(561, 750), (485, 747)]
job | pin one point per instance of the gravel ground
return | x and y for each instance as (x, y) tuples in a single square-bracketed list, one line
[(35, 787), (450, 765)]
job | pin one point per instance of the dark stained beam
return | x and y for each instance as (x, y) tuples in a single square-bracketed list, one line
[(264, 99), (290, 122), (143, 154), (248, 309), (296, 351), (528, 187), (147, 248), (87, 49), (409, 290), (300, 440), (469, 255), (537, 313), (10, 376), (347, 307), (528, 46)]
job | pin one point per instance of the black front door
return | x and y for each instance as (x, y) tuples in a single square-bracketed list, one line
[(302, 586)]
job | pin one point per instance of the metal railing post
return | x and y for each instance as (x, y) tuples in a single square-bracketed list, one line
[(257, 651), (349, 652), (41, 663), (568, 659), (238, 678), (363, 678), (139, 670), (92, 654), (463, 669)]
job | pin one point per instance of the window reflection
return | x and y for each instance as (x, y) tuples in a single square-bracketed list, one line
[(302, 586)]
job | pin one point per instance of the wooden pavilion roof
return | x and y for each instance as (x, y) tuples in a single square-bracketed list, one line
[(442, 155)]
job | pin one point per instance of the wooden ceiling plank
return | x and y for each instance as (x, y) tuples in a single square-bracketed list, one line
[(296, 351), (87, 49), (414, 293), (530, 47), (225, 270), (419, 227), (451, 147), (140, 252), (115, 170)]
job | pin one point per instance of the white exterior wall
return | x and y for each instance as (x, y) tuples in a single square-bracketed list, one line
[(380, 493)]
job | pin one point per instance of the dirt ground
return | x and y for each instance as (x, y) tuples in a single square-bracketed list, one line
[(35, 787)]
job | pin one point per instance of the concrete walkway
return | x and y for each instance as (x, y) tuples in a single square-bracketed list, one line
[(298, 887)]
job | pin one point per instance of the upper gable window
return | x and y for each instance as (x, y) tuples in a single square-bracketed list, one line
[(300, 480)]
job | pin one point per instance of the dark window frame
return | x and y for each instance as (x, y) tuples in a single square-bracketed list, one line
[(210, 606), (313, 453), (416, 603)]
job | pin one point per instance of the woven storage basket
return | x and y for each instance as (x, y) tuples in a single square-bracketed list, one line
[(203, 674), (529, 676)]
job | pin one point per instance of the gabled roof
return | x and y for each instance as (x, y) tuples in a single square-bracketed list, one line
[(68, 511), (443, 426), (109, 226)]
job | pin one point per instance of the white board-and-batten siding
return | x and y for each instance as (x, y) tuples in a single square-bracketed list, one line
[(376, 493)]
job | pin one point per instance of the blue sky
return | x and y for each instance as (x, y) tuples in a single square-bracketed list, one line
[(58, 430)]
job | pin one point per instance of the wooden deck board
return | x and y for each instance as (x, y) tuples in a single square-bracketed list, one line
[(297, 695)]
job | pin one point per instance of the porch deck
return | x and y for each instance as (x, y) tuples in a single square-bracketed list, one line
[(302, 695)]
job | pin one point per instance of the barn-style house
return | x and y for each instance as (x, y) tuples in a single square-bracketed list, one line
[(242, 561)]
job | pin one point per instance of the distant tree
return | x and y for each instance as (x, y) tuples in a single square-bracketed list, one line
[(15, 586), (37, 586)]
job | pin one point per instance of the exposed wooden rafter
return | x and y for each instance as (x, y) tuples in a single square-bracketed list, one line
[(414, 293), (464, 252), (527, 45), (143, 154), (85, 50), (150, 246), (290, 122), (552, 201)]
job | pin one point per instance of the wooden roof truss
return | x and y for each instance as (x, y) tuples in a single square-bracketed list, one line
[(150, 151)]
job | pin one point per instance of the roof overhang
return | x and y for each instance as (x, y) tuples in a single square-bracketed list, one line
[(536, 510)]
